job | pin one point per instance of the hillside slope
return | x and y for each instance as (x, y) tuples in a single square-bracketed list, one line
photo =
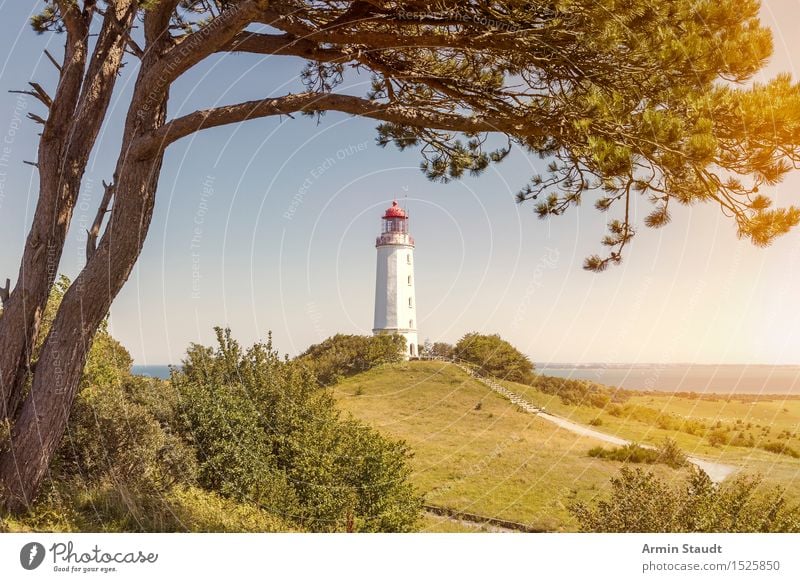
[(475, 451), (695, 422)]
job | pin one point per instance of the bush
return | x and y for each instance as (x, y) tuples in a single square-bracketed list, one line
[(581, 393), (641, 502), (718, 437), (267, 435), (781, 449), (440, 350), (630, 453), (668, 453), (254, 431), (114, 439), (341, 356), (74, 506), (493, 356)]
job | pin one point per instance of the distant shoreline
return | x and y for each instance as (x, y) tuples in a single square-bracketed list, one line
[(706, 380), (726, 379)]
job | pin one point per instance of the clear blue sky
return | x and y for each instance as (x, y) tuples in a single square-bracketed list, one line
[(223, 251)]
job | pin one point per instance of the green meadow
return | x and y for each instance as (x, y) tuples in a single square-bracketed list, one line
[(476, 452)]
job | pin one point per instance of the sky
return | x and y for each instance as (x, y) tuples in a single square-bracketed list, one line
[(270, 225)]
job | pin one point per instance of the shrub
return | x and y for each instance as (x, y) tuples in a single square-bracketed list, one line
[(668, 453), (630, 453), (493, 356), (718, 437), (267, 435), (581, 393), (597, 421), (112, 438), (781, 449), (641, 502), (440, 350), (341, 356)]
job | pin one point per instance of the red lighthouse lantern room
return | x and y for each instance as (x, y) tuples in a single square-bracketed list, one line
[(395, 220)]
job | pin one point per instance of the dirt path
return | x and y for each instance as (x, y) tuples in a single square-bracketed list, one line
[(718, 472)]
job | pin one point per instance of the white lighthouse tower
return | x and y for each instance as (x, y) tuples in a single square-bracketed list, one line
[(395, 304)]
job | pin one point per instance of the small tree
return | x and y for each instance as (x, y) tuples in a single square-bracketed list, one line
[(494, 356)]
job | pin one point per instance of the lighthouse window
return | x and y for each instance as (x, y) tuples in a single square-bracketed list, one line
[(409, 302), (410, 324), (409, 279), (408, 258)]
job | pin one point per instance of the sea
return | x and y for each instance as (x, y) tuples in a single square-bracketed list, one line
[(154, 371), (702, 378)]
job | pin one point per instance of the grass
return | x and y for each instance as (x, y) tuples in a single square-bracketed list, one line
[(111, 509), (757, 434), (474, 450)]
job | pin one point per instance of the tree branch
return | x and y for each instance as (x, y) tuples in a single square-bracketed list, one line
[(72, 17), (311, 102), (196, 46), (94, 231), (38, 92), (53, 60), (101, 76), (282, 44), (157, 19)]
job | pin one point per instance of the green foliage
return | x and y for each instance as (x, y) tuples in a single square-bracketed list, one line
[(781, 448), (342, 356), (641, 502), (254, 431), (268, 435), (718, 437), (668, 454), (440, 350), (48, 19), (579, 392), (80, 507), (671, 454), (494, 356), (630, 453), (113, 439)]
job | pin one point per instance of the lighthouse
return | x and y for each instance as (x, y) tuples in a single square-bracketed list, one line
[(395, 304)]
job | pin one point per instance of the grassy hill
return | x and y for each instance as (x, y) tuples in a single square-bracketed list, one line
[(478, 453), (475, 451), (731, 430)]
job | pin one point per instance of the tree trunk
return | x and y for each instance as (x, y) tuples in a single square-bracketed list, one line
[(22, 311), (75, 117), (43, 416)]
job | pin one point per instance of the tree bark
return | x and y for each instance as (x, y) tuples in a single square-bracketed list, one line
[(42, 418), (76, 115)]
